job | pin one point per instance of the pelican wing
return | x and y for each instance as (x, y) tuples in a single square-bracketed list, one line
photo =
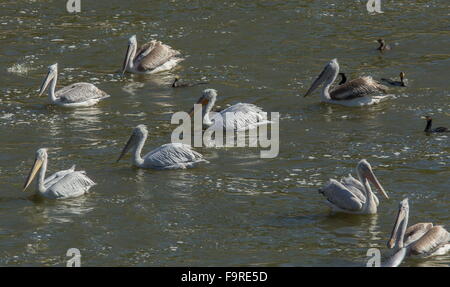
[(354, 186), (71, 185), (356, 88), (172, 154), (337, 194), (357, 188), (154, 55), (241, 116), (80, 92), (434, 238), (49, 181), (415, 232), (144, 50)]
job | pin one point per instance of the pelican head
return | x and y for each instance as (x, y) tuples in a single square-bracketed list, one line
[(138, 133), (208, 95), (52, 72), (400, 225), (365, 170), (41, 157), (329, 72), (132, 46)]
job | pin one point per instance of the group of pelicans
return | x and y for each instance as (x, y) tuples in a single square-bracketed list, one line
[(355, 196), (350, 195)]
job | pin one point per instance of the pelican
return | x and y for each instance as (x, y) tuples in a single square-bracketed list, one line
[(72, 96), (400, 83), (421, 239), (383, 46), (428, 128), (168, 156), (356, 92), (62, 184), (152, 57), (238, 117), (353, 196)]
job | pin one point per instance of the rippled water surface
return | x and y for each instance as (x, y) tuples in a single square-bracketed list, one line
[(239, 209)]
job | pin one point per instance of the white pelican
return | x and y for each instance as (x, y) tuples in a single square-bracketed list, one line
[(62, 184), (356, 92), (152, 57), (168, 156), (72, 96), (238, 117), (421, 239), (351, 195)]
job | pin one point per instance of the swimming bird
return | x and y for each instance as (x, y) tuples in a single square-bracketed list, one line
[(72, 96), (356, 92), (238, 117), (383, 46), (428, 128), (400, 83), (62, 184), (167, 156), (152, 57), (421, 239), (352, 195), (176, 84)]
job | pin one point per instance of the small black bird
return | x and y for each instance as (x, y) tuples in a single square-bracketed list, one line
[(177, 84), (428, 128), (400, 83), (383, 46)]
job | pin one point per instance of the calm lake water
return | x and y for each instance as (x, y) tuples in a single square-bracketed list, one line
[(239, 210)]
